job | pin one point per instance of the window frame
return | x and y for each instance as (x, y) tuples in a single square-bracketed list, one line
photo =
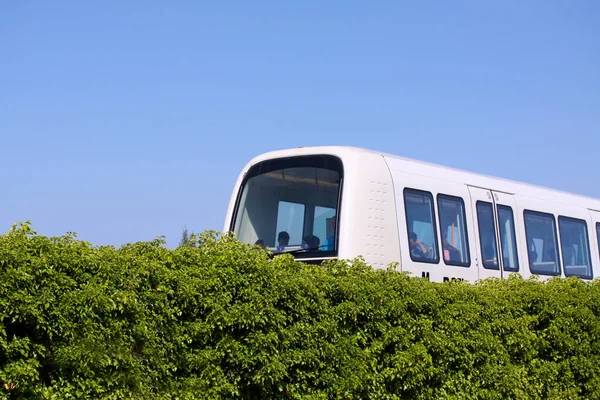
[(571, 219), (514, 234), (464, 214), (436, 259), (497, 268), (556, 240)]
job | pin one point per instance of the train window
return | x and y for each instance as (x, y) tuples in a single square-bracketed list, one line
[(575, 247), (420, 223), (290, 220), (542, 244), (487, 235), (295, 197), (508, 239), (453, 227)]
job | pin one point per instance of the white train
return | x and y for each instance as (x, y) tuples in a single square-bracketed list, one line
[(435, 222)]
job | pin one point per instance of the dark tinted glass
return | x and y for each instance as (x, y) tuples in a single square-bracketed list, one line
[(420, 220), (542, 243), (508, 239), (487, 235), (575, 247), (453, 228)]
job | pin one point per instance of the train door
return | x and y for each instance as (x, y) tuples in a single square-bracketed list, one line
[(496, 236)]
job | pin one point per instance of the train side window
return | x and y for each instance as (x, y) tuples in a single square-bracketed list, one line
[(420, 224), (575, 247), (542, 243), (453, 228), (487, 235), (508, 238)]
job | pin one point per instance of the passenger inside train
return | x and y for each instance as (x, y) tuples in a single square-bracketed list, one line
[(417, 248), (451, 253), (283, 239)]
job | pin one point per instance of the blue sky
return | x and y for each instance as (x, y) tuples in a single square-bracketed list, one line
[(123, 121)]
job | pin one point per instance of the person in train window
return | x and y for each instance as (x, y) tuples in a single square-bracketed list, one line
[(284, 239), (261, 243), (451, 253), (311, 242), (330, 241), (417, 248)]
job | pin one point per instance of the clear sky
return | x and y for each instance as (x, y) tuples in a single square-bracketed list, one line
[(123, 121)]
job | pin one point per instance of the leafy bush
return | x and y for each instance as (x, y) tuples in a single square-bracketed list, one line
[(222, 320)]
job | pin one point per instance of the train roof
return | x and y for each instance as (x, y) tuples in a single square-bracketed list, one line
[(433, 170)]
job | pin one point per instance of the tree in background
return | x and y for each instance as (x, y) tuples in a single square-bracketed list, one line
[(187, 239)]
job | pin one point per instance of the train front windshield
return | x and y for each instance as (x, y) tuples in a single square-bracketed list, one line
[(291, 205)]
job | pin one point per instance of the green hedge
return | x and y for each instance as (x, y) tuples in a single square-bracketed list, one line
[(223, 320)]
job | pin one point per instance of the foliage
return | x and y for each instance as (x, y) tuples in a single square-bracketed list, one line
[(225, 320)]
